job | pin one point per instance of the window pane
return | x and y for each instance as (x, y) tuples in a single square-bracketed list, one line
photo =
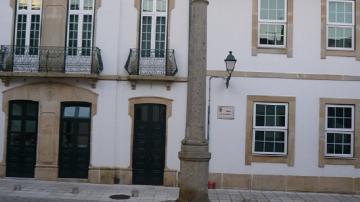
[(270, 109), (83, 141), (30, 126), (88, 4), (280, 110), (279, 136), (280, 147), (330, 138), (16, 126), (161, 5), (347, 149), (347, 138), (330, 148), (148, 5), (270, 121), (269, 136), (84, 128), (35, 4), (23, 4), (259, 135), (16, 109), (74, 5), (338, 149), (280, 121), (259, 146), (269, 147), (69, 112), (15, 138), (260, 109), (260, 121)]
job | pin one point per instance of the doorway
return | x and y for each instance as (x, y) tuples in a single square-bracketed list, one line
[(148, 156), (74, 146), (22, 138)]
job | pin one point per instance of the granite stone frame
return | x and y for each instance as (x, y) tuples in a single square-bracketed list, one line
[(170, 176), (342, 53), (49, 95), (289, 157), (288, 50), (327, 160)]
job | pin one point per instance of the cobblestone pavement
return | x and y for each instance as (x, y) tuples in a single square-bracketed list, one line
[(30, 190)]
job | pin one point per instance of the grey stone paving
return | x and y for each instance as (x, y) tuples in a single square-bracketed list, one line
[(30, 190)]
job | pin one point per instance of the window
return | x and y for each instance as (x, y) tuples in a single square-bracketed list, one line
[(339, 131), (340, 24), (28, 22), (80, 27), (272, 23), (153, 28), (270, 128), (153, 37), (272, 27)]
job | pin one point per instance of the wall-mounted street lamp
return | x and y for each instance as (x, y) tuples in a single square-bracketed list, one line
[(230, 62)]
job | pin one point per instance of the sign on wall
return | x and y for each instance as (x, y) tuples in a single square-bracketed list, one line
[(226, 112)]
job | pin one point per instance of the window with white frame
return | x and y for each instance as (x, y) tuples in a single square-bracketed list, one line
[(272, 20), (153, 28), (270, 128), (28, 23), (339, 130), (340, 24), (80, 27)]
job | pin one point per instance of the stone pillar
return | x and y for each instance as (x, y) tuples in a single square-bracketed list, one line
[(194, 154)]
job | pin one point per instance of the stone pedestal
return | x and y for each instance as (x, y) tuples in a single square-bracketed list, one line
[(194, 171), (194, 154)]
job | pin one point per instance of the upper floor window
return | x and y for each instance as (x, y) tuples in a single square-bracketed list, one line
[(340, 24), (270, 128), (272, 21), (339, 130), (28, 26), (80, 27), (153, 28)]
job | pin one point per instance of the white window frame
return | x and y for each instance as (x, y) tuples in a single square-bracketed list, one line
[(28, 12), (273, 22), (350, 131), (271, 128), (343, 25), (154, 14), (81, 13)]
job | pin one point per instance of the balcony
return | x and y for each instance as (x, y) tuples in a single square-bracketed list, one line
[(49, 62), (151, 63)]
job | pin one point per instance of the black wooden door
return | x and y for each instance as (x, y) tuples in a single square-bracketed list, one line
[(148, 159), (74, 146), (22, 139)]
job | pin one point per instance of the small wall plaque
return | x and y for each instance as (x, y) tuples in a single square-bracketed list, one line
[(226, 112)]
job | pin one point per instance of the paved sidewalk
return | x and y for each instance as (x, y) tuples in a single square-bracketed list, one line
[(28, 190)]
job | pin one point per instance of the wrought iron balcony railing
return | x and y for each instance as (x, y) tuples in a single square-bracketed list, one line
[(50, 59), (151, 62)]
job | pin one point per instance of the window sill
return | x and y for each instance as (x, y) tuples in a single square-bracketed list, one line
[(270, 50), (269, 155), (339, 158), (341, 53)]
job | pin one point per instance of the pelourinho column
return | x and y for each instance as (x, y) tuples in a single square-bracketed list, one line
[(194, 154)]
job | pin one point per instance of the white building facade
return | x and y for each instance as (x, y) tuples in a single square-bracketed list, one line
[(96, 90)]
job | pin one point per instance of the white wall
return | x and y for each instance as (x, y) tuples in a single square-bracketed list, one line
[(111, 131), (227, 142), (6, 22), (117, 32), (229, 28)]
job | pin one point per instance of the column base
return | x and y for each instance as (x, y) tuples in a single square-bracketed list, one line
[(194, 172)]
